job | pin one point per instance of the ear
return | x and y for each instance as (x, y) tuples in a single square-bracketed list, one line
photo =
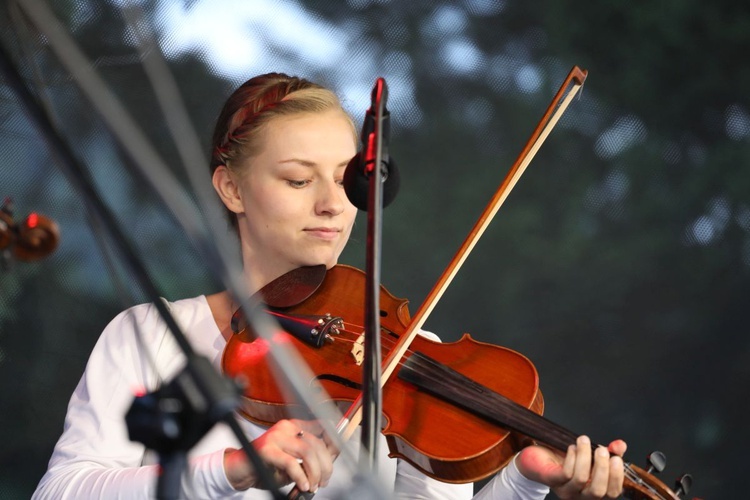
[(229, 191)]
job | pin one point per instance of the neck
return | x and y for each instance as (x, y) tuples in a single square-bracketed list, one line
[(222, 307)]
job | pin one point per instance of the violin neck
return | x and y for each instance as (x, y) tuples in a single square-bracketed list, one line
[(445, 383)]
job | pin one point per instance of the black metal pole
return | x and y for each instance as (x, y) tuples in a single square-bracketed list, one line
[(371, 376), (223, 402)]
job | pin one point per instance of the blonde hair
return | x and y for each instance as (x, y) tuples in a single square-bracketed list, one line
[(255, 103)]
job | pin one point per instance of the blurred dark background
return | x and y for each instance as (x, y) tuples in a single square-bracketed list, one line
[(620, 265)]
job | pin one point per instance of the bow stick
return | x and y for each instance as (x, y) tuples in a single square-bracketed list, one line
[(576, 77)]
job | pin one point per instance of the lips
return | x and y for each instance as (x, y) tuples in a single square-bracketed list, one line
[(324, 233)]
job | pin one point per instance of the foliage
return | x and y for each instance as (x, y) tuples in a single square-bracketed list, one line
[(619, 264)]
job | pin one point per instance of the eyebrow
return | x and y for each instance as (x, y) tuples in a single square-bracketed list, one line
[(307, 163)]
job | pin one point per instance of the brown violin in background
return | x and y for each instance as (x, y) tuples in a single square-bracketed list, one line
[(456, 411), (32, 239)]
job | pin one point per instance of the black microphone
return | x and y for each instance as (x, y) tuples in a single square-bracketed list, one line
[(356, 175)]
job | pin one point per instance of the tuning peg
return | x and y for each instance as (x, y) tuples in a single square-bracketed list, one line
[(683, 484), (657, 461)]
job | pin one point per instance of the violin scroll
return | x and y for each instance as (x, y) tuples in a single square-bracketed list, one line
[(642, 484)]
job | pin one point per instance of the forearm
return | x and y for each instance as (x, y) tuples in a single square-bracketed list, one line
[(82, 480), (86, 479)]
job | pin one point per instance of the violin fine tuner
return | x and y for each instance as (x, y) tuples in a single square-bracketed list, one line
[(314, 330)]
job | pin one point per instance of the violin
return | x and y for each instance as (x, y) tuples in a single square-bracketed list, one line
[(457, 411), (32, 239)]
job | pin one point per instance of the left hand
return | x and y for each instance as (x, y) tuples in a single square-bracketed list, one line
[(294, 450), (574, 476)]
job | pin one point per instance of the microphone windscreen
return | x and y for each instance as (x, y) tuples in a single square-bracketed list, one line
[(357, 184)]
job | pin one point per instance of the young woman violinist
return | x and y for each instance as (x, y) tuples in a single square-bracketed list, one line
[(279, 151)]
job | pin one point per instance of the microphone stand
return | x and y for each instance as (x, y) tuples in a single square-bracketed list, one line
[(172, 419), (188, 389), (374, 160), (143, 160)]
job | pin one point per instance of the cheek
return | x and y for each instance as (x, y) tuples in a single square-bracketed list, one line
[(351, 217), (351, 213), (266, 208)]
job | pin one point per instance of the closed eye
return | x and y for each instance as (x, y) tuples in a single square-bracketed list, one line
[(298, 183)]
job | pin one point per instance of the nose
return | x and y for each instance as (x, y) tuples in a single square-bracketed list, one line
[(331, 198)]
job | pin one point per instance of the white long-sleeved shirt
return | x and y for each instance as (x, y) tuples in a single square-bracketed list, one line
[(94, 457)]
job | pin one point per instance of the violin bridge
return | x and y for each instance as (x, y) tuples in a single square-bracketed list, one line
[(358, 350)]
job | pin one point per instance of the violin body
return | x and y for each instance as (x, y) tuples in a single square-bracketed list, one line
[(432, 432), (440, 439)]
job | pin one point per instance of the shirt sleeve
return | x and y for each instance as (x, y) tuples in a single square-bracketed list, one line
[(510, 484), (413, 484), (94, 458)]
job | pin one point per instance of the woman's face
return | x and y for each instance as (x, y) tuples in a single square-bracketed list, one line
[(294, 209)]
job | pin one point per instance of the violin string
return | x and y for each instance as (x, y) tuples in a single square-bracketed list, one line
[(386, 342), (384, 339), (350, 341), (636, 478), (390, 344)]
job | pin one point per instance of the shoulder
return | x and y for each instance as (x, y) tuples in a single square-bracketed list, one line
[(143, 324), (147, 315), (138, 336), (188, 311)]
